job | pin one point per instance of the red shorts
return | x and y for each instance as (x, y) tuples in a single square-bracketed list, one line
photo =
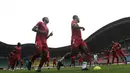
[(80, 60), (88, 58), (54, 62), (18, 57), (77, 42), (73, 61), (41, 45)]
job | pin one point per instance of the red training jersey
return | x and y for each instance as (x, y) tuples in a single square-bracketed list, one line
[(73, 58), (116, 45), (75, 32), (42, 27), (54, 59), (17, 50)]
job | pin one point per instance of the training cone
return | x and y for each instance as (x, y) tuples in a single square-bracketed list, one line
[(97, 68)]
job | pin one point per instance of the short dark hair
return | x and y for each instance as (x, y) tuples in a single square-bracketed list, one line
[(18, 44), (75, 16), (44, 19)]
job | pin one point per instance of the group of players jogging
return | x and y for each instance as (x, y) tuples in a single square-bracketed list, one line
[(77, 45), (116, 53), (14, 57)]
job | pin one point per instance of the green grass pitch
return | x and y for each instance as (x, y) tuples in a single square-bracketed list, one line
[(105, 69)]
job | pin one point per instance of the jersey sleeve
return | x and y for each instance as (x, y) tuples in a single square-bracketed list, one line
[(38, 24), (73, 22)]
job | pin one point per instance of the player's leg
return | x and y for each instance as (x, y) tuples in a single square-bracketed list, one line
[(107, 60), (113, 58), (35, 55), (53, 64), (117, 60), (44, 55), (114, 55), (124, 58), (48, 63), (80, 62), (9, 63), (67, 54), (21, 65), (31, 61), (96, 62), (74, 48), (59, 63), (17, 63), (84, 48), (74, 63), (13, 62), (43, 59), (12, 66), (44, 64), (48, 59), (73, 52)]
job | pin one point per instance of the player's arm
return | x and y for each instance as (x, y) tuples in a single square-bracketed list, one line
[(67, 54), (49, 35), (120, 46), (75, 26), (35, 29)]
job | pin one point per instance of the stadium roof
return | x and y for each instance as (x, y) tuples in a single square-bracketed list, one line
[(117, 30)]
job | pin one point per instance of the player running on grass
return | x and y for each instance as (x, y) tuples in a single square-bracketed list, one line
[(17, 52), (11, 61), (107, 55), (54, 61), (73, 60), (41, 43), (77, 43), (117, 48)]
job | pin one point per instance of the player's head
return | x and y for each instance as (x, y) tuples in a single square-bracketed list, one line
[(11, 53), (18, 44), (45, 20), (75, 17)]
